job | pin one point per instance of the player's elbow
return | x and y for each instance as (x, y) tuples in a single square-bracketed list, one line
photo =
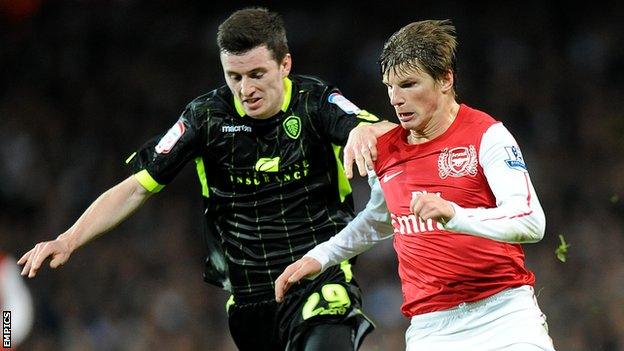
[(533, 237), (535, 227)]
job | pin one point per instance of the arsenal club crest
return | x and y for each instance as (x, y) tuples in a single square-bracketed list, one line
[(457, 162)]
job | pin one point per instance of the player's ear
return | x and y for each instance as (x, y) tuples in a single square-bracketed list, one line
[(286, 65), (446, 82)]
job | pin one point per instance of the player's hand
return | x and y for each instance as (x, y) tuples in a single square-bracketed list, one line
[(432, 206), (58, 250), (306, 266), (361, 148)]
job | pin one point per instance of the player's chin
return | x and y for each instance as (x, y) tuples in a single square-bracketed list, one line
[(407, 124), (411, 124), (256, 113)]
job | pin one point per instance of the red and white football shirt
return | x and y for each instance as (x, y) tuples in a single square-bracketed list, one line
[(477, 165), (440, 268)]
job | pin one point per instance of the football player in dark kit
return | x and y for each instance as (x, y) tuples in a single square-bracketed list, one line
[(266, 149)]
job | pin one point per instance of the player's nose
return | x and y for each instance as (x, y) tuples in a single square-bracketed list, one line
[(247, 88), (396, 98)]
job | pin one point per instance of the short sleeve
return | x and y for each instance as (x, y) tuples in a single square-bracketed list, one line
[(161, 158), (337, 116)]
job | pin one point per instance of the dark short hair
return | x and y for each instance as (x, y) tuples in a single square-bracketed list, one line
[(251, 27), (428, 46)]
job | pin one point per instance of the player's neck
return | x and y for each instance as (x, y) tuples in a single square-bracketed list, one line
[(439, 124)]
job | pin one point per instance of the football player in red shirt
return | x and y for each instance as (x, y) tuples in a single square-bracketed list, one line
[(452, 188)]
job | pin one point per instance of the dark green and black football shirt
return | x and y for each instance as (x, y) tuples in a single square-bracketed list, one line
[(273, 188)]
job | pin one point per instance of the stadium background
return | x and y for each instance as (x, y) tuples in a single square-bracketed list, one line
[(84, 83)]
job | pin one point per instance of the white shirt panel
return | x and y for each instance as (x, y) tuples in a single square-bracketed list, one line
[(518, 216)]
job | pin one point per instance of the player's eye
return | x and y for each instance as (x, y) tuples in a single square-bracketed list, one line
[(257, 75), (235, 77)]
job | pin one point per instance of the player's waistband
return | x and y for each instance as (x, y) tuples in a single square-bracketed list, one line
[(241, 296), (467, 307)]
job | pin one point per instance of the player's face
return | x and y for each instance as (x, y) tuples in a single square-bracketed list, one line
[(416, 97), (257, 80)]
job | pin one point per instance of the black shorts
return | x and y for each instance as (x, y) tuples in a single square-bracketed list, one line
[(334, 297)]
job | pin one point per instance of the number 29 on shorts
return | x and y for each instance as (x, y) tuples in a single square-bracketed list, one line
[(337, 302)]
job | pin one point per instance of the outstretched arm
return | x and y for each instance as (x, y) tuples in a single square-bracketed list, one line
[(361, 146), (104, 214)]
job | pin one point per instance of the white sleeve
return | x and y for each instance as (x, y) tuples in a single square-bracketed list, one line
[(369, 227), (518, 216), (16, 298)]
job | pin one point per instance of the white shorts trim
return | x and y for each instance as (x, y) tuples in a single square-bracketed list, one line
[(508, 320)]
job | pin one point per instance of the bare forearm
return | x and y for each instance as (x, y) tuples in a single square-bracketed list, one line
[(106, 212)]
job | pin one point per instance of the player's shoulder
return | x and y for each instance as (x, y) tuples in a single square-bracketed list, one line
[(393, 134), (389, 142), (475, 116), (389, 145), (308, 81), (312, 85), (217, 101)]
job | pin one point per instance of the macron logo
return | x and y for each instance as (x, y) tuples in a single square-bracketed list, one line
[(234, 129), (387, 177)]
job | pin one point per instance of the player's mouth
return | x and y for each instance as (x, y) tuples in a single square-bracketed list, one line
[(405, 116), (252, 103)]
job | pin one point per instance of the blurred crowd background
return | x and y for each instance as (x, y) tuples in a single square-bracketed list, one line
[(84, 83)]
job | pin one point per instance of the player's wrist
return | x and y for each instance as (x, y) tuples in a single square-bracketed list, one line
[(319, 258), (67, 241), (450, 213), (452, 220)]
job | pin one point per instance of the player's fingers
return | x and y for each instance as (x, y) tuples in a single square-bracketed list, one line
[(348, 163), (433, 209), (415, 204), (32, 272), (42, 253), (372, 147), (24, 258), (25, 269), (29, 261), (368, 160), (428, 213), (280, 288), (282, 282), (58, 260), (309, 266), (361, 163), (298, 275)]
